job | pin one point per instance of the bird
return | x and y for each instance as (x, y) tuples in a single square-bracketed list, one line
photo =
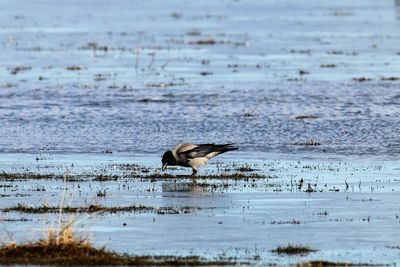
[(193, 155)]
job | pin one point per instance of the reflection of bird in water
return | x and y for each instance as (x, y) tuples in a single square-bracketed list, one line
[(183, 187), (193, 156)]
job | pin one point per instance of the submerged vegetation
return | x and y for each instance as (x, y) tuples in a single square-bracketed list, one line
[(293, 249), (101, 209), (141, 173), (234, 176), (321, 263)]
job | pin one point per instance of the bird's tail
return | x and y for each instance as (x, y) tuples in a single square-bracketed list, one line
[(226, 148)]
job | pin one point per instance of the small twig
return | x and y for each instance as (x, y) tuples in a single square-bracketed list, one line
[(63, 197), (251, 113), (137, 59), (152, 60), (165, 64)]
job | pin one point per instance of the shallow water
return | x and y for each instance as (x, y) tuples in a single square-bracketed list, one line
[(140, 87), (79, 78), (243, 218)]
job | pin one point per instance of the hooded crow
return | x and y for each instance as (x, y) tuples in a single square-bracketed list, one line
[(193, 156)]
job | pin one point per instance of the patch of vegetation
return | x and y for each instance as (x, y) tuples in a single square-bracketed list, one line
[(82, 253), (130, 171), (205, 73), (249, 113), (101, 209), (293, 249), (16, 70), (233, 176), (61, 247), (328, 65), (302, 117), (102, 193), (73, 68), (245, 168), (303, 72), (390, 78), (194, 32), (16, 220), (309, 189), (286, 222), (335, 52), (105, 177), (71, 178), (204, 42), (329, 264), (362, 79), (71, 253), (19, 176), (301, 51), (311, 142)]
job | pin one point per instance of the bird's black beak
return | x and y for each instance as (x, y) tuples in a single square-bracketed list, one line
[(164, 166)]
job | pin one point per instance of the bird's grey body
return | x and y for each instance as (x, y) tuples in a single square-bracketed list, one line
[(193, 155)]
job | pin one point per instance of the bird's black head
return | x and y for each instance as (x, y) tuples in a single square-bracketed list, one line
[(167, 159)]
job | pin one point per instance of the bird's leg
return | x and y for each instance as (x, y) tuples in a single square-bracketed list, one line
[(193, 177)]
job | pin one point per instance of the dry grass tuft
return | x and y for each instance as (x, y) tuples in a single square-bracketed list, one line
[(42, 252), (65, 249), (62, 247)]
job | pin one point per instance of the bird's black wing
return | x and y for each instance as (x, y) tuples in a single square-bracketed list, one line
[(206, 149)]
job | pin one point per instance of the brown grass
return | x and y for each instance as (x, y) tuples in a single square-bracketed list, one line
[(64, 249)]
